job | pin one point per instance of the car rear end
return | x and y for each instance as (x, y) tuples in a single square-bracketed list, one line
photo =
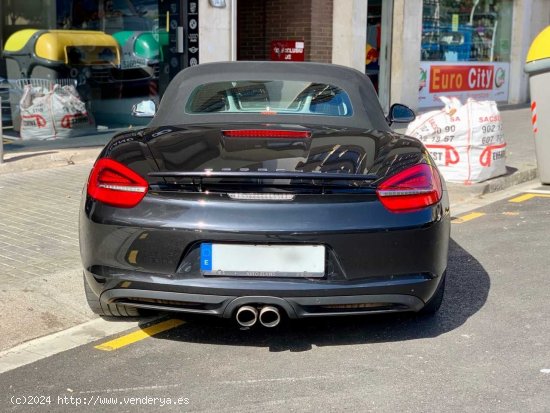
[(358, 228)]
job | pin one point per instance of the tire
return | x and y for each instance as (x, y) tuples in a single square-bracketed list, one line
[(107, 310), (434, 304)]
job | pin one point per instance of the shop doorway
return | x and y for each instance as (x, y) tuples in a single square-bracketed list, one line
[(378, 47), (251, 30)]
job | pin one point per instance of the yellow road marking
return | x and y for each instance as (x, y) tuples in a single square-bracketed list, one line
[(125, 284), (139, 335), (527, 197), (522, 198), (132, 257), (144, 235), (468, 217)]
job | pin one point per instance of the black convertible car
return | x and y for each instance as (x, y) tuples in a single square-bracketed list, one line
[(263, 189)]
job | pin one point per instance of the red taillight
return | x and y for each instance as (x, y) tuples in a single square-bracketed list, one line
[(115, 184), (413, 188), (267, 133)]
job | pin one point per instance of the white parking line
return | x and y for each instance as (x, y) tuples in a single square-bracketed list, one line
[(73, 337)]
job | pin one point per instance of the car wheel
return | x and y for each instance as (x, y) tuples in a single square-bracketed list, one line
[(433, 305), (107, 310)]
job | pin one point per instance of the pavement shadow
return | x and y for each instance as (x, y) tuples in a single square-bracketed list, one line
[(510, 170), (466, 292)]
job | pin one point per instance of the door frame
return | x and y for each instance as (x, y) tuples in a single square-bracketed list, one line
[(384, 75)]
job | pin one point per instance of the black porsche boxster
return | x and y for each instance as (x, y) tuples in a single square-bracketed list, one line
[(261, 190)]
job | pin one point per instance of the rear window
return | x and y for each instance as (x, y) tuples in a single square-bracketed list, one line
[(269, 97)]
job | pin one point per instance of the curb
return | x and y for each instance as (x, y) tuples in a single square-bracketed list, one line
[(461, 194), (507, 181), (27, 161), (76, 336)]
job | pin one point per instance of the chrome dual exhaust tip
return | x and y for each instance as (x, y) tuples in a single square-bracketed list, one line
[(247, 316), (268, 316)]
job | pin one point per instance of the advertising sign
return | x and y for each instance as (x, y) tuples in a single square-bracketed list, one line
[(463, 80), (192, 43), (287, 50)]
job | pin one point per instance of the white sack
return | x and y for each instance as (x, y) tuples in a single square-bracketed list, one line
[(466, 141), (54, 114)]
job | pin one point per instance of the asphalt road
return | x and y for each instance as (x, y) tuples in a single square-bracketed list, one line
[(485, 351)]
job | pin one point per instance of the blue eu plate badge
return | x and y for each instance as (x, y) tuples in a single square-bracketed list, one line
[(206, 257)]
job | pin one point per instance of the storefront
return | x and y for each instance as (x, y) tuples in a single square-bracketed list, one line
[(467, 49), (90, 60), (413, 50)]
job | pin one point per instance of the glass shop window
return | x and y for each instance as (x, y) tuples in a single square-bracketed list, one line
[(75, 68), (468, 30)]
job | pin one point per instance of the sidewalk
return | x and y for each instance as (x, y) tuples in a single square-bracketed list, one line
[(40, 274), (40, 189)]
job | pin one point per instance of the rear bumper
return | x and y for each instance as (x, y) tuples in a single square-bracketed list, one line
[(309, 299), (376, 261)]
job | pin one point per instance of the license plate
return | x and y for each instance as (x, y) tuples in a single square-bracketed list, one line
[(263, 260)]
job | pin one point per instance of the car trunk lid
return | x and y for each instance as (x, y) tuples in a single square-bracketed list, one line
[(264, 157)]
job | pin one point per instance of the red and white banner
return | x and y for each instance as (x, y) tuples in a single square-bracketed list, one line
[(463, 80)]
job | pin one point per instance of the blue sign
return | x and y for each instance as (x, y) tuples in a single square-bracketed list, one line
[(206, 257)]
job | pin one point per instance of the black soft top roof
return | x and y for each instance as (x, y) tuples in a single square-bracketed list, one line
[(367, 112)]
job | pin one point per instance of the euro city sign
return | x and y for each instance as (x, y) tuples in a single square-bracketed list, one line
[(287, 50), (460, 78), (480, 81)]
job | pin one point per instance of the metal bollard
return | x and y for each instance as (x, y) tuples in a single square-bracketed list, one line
[(1, 135)]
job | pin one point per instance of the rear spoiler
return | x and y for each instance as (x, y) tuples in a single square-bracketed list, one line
[(325, 176)]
